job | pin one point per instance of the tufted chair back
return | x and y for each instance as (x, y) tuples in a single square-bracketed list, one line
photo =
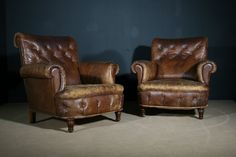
[(54, 50), (177, 58)]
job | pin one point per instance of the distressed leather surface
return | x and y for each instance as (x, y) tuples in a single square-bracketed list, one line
[(40, 95), (45, 71), (180, 79), (78, 91), (204, 71), (89, 106), (145, 70), (178, 58), (175, 100), (98, 72), (50, 50), (51, 74), (173, 85)]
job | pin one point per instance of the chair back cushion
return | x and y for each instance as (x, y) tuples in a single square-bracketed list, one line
[(178, 58), (59, 50)]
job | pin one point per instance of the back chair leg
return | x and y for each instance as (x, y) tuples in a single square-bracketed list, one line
[(32, 116), (70, 124), (200, 112), (118, 115)]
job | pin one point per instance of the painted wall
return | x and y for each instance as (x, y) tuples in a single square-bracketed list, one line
[(122, 31), (3, 65)]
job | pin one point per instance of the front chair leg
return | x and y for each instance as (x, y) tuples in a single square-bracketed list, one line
[(200, 112), (142, 112), (32, 116), (118, 114), (70, 124)]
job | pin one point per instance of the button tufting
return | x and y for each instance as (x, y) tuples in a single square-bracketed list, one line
[(59, 46), (98, 103), (171, 46), (82, 104), (180, 100), (184, 46), (194, 101), (71, 47), (48, 47), (68, 55), (159, 46)]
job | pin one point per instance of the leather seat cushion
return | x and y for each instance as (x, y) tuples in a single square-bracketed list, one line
[(79, 91), (172, 85), (86, 106)]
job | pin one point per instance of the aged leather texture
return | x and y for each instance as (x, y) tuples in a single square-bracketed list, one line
[(58, 84), (78, 91), (87, 106), (145, 70), (174, 99), (173, 85), (177, 76), (90, 74), (50, 50), (56, 72), (178, 58), (204, 71)]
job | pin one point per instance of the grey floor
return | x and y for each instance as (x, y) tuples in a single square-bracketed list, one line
[(164, 134)]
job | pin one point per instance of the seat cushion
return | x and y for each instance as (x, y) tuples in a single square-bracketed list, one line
[(79, 91), (172, 85), (173, 93)]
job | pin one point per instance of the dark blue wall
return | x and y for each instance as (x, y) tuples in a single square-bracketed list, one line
[(3, 65), (121, 31)]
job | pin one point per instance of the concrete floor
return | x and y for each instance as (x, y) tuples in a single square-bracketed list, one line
[(164, 134)]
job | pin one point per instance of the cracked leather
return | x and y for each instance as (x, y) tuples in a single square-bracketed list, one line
[(50, 64), (180, 60)]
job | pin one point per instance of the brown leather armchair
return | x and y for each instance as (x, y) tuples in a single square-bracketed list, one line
[(177, 77), (58, 84)]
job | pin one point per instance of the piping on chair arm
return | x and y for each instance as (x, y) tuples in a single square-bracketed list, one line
[(98, 72), (204, 71), (145, 70), (45, 71)]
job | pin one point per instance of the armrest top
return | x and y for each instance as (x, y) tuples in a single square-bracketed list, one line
[(204, 71), (145, 70), (46, 71), (98, 72), (39, 70), (143, 63)]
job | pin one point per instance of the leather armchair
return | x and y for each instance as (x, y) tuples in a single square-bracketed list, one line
[(177, 77), (58, 84)]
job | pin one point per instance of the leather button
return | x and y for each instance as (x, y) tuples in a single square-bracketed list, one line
[(48, 47), (59, 46)]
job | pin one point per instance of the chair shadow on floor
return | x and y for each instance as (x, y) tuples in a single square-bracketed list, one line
[(168, 113), (18, 113), (80, 124), (132, 107)]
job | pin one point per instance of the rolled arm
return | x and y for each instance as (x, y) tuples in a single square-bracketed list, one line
[(98, 72), (45, 71), (145, 70), (204, 71)]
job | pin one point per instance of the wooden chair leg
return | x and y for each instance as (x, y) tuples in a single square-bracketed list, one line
[(32, 117), (200, 112), (70, 124), (118, 115), (142, 112)]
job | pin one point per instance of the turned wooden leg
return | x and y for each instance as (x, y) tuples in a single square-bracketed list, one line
[(70, 124), (142, 112), (118, 116), (32, 117), (200, 112)]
